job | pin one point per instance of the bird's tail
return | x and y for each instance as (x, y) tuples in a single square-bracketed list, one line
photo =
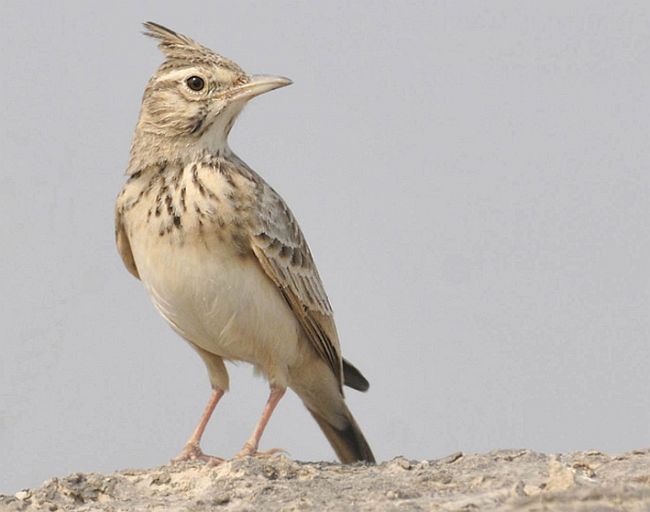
[(348, 442)]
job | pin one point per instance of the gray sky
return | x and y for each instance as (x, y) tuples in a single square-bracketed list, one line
[(472, 178)]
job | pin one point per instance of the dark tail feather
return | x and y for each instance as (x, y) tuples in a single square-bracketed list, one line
[(349, 444), (353, 377)]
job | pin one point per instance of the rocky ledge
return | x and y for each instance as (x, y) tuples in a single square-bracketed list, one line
[(505, 480)]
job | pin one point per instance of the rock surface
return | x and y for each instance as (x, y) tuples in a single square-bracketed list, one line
[(502, 480)]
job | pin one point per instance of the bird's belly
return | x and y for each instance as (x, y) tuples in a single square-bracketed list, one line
[(219, 300)]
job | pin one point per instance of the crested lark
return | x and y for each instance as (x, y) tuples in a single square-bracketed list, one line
[(219, 251)]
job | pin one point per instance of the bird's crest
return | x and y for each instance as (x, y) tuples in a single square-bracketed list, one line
[(180, 48)]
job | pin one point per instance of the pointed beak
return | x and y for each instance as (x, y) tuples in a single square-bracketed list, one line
[(259, 84)]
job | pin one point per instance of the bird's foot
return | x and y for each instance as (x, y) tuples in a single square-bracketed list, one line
[(251, 451), (192, 451)]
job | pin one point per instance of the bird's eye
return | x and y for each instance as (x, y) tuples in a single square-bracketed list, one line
[(196, 83)]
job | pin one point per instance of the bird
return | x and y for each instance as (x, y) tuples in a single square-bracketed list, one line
[(220, 253)]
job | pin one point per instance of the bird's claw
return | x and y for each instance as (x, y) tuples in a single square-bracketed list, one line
[(251, 451), (192, 452)]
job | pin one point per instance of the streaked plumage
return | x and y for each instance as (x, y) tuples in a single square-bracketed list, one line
[(219, 251)]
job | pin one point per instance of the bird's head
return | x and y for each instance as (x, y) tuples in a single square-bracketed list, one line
[(194, 97)]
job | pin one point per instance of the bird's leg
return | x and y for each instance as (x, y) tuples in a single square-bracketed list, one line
[(192, 449), (250, 447)]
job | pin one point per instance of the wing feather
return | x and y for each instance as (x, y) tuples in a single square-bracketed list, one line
[(283, 253), (123, 244)]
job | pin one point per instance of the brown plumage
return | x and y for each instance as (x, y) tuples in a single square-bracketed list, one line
[(219, 251)]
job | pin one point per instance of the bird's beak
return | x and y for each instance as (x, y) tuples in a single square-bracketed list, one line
[(259, 84)]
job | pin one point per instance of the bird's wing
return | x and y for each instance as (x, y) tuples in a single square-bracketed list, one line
[(123, 244), (284, 255)]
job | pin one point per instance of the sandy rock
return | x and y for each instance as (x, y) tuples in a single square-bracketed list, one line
[(506, 480)]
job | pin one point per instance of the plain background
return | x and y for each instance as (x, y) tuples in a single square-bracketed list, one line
[(473, 181)]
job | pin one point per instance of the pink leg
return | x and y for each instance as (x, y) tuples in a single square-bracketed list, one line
[(192, 449), (250, 447)]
